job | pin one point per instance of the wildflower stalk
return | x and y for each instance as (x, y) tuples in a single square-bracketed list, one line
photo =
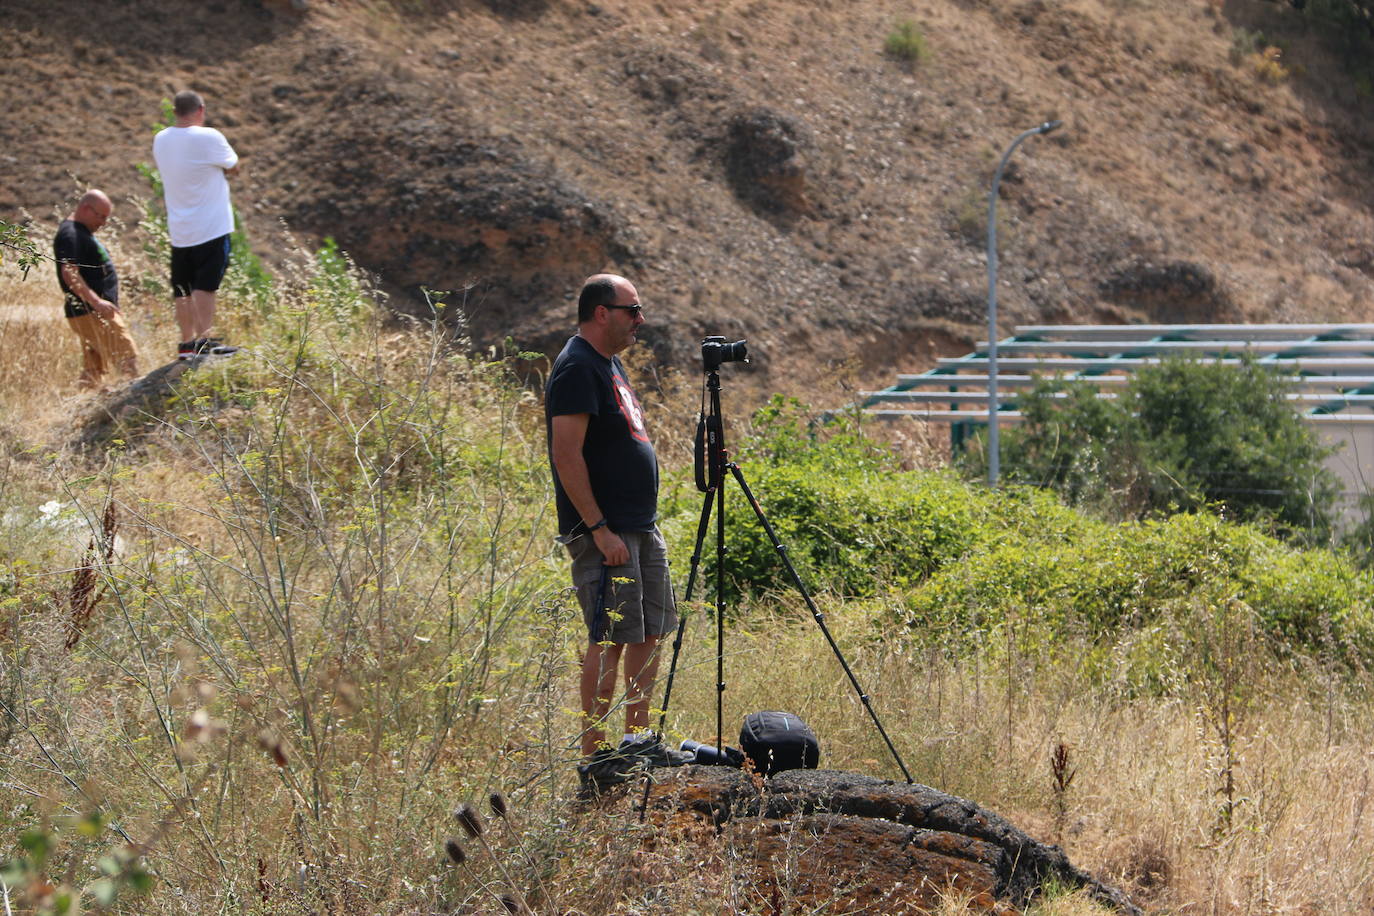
[(471, 822)]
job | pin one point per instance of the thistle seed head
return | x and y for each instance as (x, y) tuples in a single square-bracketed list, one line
[(470, 820), (498, 804)]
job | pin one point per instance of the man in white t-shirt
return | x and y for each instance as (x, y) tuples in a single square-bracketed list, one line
[(194, 161)]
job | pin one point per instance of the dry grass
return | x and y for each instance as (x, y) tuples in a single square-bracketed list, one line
[(1143, 810), (333, 612), (42, 355), (42, 361)]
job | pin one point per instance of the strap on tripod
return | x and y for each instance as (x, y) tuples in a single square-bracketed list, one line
[(709, 465), (599, 617)]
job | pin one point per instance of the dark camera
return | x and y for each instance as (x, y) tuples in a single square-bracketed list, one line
[(713, 756), (714, 351)]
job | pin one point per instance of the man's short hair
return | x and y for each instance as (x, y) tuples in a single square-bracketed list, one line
[(187, 103), (600, 291)]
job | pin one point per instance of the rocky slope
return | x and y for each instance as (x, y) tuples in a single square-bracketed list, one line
[(846, 842), (761, 168)]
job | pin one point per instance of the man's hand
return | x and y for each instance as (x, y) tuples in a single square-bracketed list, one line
[(613, 549), (104, 308)]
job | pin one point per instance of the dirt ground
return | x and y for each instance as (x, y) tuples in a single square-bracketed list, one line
[(761, 168)]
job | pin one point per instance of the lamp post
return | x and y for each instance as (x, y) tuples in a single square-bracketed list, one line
[(994, 446)]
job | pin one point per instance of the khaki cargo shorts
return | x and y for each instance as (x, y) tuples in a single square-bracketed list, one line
[(639, 600)]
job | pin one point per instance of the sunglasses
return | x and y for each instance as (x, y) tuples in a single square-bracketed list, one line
[(634, 310)]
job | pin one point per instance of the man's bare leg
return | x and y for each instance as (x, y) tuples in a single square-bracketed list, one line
[(597, 687), (203, 309), (641, 667), (186, 318)]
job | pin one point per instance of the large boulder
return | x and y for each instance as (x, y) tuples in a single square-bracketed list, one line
[(852, 843)]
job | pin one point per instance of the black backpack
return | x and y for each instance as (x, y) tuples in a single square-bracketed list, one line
[(777, 741)]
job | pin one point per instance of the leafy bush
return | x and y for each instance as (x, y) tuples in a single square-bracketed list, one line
[(907, 43), (851, 521), (959, 561), (1126, 577), (337, 284), (1181, 435)]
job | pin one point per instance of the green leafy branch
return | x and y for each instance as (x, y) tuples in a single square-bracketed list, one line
[(15, 242)]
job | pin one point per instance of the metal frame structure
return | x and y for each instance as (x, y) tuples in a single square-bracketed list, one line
[(1331, 364), (1331, 367)]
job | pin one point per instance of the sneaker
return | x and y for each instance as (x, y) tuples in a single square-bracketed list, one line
[(188, 349), (648, 748), (604, 770)]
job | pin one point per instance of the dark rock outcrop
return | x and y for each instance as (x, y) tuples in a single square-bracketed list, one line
[(1178, 292), (141, 402), (874, 845), (427, 201), (764, 161)]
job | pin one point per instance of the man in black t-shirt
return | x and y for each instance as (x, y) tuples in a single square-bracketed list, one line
[(605, 477), (90, 290)]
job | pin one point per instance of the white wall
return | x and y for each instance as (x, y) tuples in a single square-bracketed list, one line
[(1353, 464)]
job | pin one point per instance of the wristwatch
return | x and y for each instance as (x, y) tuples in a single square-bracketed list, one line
[(600, 524)]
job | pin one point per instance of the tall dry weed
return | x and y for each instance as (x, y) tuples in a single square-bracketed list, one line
[(337, 612)]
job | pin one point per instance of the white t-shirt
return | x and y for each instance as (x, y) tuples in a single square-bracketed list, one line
[(192, 161)]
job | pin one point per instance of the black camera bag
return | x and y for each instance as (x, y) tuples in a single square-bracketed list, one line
[(777, 741)]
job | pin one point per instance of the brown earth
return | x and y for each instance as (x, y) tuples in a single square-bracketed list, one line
[(761, 168), (831, 841)]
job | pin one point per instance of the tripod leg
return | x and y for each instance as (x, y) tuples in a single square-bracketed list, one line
[(682, 618), (815, 613), (702, 527), (720, 611)]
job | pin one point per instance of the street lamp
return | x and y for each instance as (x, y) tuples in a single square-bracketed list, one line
[(994, 446)]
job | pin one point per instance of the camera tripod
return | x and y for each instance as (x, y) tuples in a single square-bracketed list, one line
[(712, 461)]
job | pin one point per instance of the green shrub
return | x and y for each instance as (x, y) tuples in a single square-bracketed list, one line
[(957, 562), (851, 521), (1180, 436), (1127, 580), (907, 43)]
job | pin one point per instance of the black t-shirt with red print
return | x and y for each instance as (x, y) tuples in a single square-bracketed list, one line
[(620, 459)]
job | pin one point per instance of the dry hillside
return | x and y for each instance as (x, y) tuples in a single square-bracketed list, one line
[(761, 168)]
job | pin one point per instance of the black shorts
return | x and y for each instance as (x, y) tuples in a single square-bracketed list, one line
[(199, 266)]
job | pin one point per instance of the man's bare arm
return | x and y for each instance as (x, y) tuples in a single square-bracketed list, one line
[(71, 275), (569, 433)]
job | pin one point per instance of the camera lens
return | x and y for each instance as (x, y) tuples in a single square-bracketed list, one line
[(707, 755), (714, 351)]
